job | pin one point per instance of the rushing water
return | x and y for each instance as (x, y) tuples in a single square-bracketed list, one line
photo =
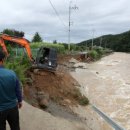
[(107, 84)]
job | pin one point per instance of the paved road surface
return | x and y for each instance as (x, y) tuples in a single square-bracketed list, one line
[(32, 118)]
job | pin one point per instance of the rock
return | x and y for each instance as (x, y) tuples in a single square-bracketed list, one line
[(43, 73), (32, 77), (75, 83), (67, 101), (72, 60), (80, 65), (35, 71), (40, 93), (61, 91), (43, 99), (43, 103)]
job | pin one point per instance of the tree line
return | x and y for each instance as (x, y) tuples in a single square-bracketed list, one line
[(15, 33), (119, 42)]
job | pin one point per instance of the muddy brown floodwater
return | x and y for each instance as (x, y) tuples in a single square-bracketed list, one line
[(107, 85)]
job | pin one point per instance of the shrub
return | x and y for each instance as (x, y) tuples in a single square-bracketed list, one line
[(93, 54), (99, 50), (82, 100), (18, 67), (59, 47)]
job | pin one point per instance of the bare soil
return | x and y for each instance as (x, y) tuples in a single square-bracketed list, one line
[(60, 89)]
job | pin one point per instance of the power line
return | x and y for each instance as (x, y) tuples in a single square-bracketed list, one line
[(57, 14)]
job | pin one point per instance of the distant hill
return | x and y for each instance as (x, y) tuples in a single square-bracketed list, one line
[(119, 42)]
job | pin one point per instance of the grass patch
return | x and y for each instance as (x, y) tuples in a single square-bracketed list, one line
[(82, 100)]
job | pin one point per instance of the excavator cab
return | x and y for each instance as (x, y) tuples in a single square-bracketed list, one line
[(46, 58)]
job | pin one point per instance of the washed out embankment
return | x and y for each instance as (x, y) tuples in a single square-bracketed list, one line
[(58, 93)]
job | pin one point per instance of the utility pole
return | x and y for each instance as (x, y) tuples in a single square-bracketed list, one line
[(100, 41), (69, 29), (105, 44), (92, 37)]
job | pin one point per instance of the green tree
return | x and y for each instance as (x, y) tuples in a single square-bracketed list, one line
[(13, 32), (37, 38), (55, 42), (8, 31)]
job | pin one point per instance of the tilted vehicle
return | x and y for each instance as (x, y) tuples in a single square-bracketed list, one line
[(46, 57)]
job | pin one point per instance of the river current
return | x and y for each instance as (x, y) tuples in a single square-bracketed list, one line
[(107, 85)]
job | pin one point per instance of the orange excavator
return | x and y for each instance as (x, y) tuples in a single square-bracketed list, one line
[(46, 57), (18, 40)]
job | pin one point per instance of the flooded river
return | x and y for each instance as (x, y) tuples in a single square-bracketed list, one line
[(107, 85)]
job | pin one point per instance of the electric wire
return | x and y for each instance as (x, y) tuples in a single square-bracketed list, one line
[(57, 13)]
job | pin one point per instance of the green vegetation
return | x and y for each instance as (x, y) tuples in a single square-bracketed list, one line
[(82, 100), (13, 32), (37, 38), (98, 52), (119, 42), (59, 47), (54, 41), (94, 54), (19, 66)]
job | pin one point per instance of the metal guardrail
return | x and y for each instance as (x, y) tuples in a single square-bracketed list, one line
[(108, 119)]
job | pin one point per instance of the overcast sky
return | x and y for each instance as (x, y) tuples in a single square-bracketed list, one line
[(93, 16)]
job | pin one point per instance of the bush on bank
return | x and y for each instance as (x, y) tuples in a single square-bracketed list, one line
[(98, 52), (19, 67), (59, 47)]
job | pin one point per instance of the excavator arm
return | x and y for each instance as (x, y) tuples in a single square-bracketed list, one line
[(2, 44), (18, 40)]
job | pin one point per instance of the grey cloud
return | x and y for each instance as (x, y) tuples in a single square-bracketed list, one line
[(33, 16)]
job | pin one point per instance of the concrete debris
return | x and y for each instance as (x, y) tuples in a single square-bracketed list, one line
[(80, 65), (72, 60)]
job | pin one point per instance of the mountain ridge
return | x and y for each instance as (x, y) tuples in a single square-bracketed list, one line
[(117, 42)]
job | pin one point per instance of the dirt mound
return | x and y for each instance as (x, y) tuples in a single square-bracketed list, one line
[(81, 57), (59, 87)]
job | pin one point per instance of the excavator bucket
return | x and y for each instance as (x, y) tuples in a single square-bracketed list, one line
[(46, 59)]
